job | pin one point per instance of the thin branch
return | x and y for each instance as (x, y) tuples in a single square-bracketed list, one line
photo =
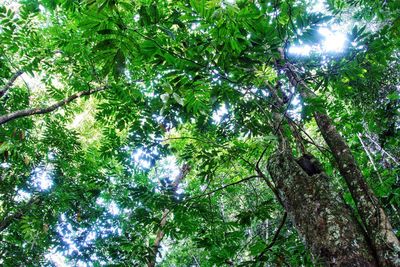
[(276, 235), (8, 85), (395, 160), (33, 111), (271, 186), (259, 160), (222, 188), (7, 221), (322, 149), (262, 175), (371, 160)]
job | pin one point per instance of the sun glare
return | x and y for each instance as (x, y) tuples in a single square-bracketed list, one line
[(334, 41), (331, 42), (304, 50)]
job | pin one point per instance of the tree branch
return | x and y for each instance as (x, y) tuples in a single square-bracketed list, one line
[(222, 188), (8, 85), (275, 236), (33, 111), (7, 221), (262, 175), (160, 233)]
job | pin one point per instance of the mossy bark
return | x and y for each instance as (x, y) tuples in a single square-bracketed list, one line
[(324, 222), (376, 222)]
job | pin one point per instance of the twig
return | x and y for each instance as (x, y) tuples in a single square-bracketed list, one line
[(383, 150), (369, 156), (275, 236), (262, 175), (222, 188)]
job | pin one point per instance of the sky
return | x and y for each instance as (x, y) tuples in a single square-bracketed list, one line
[(333, 41)]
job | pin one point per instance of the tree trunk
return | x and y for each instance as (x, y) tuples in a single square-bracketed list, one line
[(373, 217), (322, 220), (375, 220), (160, 233)]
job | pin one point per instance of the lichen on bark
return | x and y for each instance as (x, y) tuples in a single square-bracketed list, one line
[(322, 219)]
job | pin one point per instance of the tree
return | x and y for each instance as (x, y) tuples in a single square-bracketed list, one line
[(293, 158)]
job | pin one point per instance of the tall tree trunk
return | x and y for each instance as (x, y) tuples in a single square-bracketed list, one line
[(373, 217), (160, 233), (325, 223)]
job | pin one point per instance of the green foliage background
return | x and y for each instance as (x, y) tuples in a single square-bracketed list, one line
[(169, 67)]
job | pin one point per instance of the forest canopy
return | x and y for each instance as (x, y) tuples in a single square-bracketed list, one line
[(199, 133)]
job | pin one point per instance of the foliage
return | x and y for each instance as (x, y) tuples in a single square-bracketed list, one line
[(184, 82)]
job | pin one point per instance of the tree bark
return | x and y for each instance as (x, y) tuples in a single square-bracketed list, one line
[(160, 234), (322, 220), (373, 217)]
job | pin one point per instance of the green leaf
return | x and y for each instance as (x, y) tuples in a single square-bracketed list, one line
[(393, 96)]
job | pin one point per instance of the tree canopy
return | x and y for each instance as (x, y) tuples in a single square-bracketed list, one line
[(139, 132)]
